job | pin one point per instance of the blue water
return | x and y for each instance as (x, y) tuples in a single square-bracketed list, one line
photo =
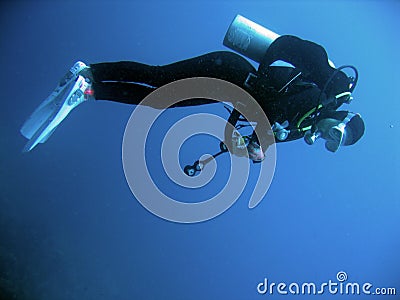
[(70, 227)]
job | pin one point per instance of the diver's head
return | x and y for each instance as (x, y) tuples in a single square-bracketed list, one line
[(337, 128)]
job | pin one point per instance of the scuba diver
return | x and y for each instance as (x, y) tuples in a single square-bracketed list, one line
[(300, 100)]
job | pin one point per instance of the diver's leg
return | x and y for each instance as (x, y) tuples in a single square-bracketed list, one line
[(123, 71), (122, 92), (222, 64), (130, 82)]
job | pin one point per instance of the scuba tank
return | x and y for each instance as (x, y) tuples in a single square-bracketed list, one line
[(252, 40), (248, 38)]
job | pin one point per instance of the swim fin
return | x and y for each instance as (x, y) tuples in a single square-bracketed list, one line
[(69, 93)]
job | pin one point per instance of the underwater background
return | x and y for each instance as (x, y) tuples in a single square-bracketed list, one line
[(70, 227)]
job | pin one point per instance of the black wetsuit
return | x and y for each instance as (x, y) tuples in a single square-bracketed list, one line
[(130, 82)]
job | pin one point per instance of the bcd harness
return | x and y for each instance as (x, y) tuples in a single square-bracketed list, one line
[(282, 131)]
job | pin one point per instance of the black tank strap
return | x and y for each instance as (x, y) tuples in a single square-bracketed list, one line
[(234, 117)]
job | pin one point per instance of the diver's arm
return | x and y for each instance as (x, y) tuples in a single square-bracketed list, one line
[(308, 57), (229, 128), (263, 139)]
